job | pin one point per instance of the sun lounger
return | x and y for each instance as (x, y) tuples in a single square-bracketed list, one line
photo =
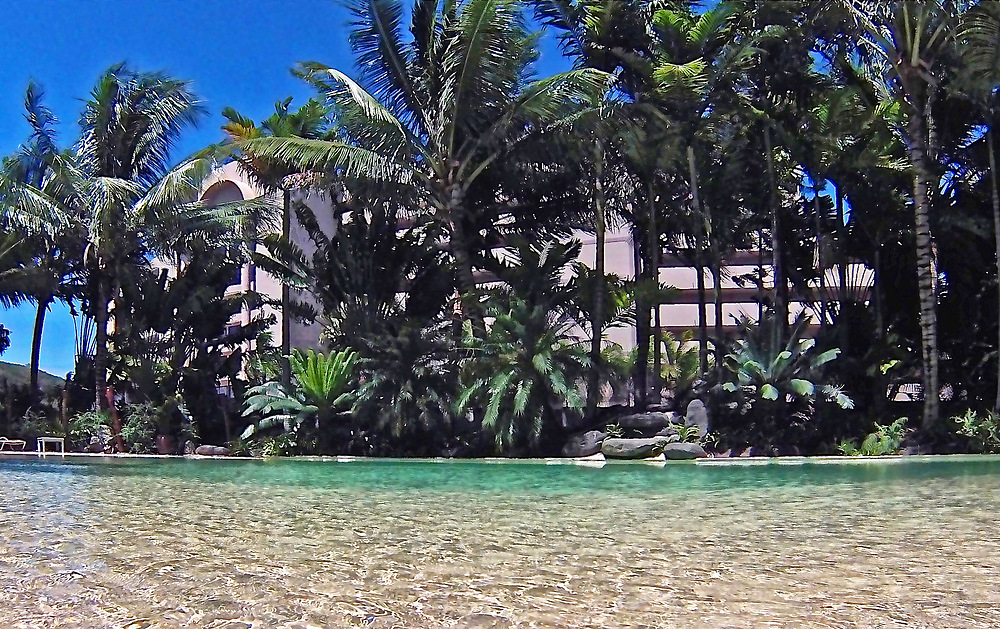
[(12, 444)]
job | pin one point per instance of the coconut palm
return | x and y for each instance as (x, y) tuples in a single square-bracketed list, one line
[(979, 35), (901, 44), (54, 240), (430, 116), (309, 121), (117, 189)]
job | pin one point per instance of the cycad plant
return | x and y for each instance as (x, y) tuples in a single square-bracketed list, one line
[(407, 385), (304, 410), (528, 366)]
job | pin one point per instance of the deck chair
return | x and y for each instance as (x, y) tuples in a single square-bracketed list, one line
[(12, 444)]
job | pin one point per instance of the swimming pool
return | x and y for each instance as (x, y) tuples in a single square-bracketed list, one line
[(380, 543)]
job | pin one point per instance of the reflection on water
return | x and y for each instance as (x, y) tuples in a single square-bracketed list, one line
[(187, 543)]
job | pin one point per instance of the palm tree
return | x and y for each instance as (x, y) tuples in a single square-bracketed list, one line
[(433, 115), (699, 56), (310, 121), (980, 51), (53, 240), (602, 35), (901, 44), (117, 189)]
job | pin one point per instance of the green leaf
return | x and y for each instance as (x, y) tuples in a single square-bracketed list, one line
[(801, 387), (768, 392)]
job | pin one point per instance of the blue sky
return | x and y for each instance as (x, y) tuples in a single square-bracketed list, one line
[(236, 53)]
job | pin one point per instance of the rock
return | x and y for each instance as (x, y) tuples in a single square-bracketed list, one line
[(783, 450), (683, 451), (211, 451), (669, 431), (610, 414), (584, 444), (697, 415), (665, 406), (647, 421), (96, 446), (189, 447), (632, 448)]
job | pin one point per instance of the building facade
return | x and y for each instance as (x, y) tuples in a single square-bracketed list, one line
[(738, 296)]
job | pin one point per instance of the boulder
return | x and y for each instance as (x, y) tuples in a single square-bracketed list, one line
[(189, 447), (683, 451), (632, 448), (584, 444), (669, 431), (96, 446), (647, 421), (666, 405), (697, 415), (211, 451)]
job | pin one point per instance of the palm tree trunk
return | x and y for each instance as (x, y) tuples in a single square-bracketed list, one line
[(101, 345), (995, 197), (715, 268), (760, 274), (819, 259), (597, 308), (640, 376), (653, 274), (777, 264), (286, 321), (699, 266), (36, 341), (926, 283), (717, 300), (466, 278)]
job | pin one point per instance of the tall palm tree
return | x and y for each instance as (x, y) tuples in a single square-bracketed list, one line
[(54, 242), (118, 190), (901, 44), (699, 57), (979, 36), (311, 122), (433, 114), (608, 36)]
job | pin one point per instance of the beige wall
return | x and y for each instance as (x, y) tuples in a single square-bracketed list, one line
[(228, 184)]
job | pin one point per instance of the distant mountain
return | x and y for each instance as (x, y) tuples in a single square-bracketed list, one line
[(18, 374)]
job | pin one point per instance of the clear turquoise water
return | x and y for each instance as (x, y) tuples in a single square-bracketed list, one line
[(205, 543)]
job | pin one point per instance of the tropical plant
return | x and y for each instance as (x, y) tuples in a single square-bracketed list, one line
[(761, 371), (118, 190), (84, 426), (54, 242), (432, 115), (357, 277), (140, 427), (901, 44), (680, 363), (311, 121), (408, 381), (981, 429), (305, 410), (882, 441), (522, 373), (768, 392)]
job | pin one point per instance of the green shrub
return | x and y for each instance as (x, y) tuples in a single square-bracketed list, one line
[(884, 440), (34, 424), (982, 430), (89, 424), (140, 427)]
